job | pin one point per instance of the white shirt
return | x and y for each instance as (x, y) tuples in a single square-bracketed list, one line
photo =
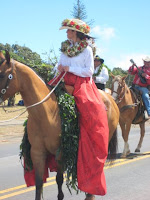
[(103, 76), (80, 65)]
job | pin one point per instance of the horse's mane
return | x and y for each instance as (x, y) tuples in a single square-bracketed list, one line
[(32, 70), (117, 78)]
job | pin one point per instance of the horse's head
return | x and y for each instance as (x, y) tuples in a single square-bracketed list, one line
[(118, 86), (7, 77)]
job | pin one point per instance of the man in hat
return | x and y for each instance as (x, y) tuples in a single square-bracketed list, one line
[(100, 75), (142, 86)]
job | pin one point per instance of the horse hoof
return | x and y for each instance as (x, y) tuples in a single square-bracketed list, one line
[(123, 156), (60, 196), (91, 197), (137, 150)]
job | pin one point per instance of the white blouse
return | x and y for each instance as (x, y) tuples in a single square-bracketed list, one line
[(80, 65), (103, 76)]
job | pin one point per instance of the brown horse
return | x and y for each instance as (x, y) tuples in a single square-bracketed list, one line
[(128, 106), (44, 123)]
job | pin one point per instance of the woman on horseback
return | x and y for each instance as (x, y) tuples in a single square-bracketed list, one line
[(77, 60)]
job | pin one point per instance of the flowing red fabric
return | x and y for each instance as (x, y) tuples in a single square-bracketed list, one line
[(94, 132), (29, 175)]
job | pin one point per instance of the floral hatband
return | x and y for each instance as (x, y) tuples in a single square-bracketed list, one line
[(76, 24), (73, 50)]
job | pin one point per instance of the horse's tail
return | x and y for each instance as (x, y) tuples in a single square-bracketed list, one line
[(113, 146)]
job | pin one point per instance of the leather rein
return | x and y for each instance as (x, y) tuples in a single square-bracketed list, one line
[(10, 77), (4, 90), (121, 96)]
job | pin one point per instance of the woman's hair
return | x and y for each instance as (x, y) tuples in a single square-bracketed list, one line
[(81, 36)]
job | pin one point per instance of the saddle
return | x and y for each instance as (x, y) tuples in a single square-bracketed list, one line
[(69, 89), (141, 107)]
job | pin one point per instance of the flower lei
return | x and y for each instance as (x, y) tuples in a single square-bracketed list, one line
[(100, 68), (74, 50)]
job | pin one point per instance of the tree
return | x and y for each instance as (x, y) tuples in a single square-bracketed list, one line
[(119, 71), (32, 59), (79, 12)]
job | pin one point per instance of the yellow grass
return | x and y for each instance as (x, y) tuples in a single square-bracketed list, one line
[(13, 130)]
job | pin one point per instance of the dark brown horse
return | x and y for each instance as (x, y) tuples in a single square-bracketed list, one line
[(128, 106), (44, 123)]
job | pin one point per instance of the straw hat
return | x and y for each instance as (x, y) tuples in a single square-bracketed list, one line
[(147, 59), (76, 25)]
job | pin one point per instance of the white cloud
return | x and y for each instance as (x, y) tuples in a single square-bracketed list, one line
[(103, 32), (123, 61)]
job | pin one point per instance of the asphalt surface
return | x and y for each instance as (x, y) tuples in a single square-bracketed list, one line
[(128, 179)]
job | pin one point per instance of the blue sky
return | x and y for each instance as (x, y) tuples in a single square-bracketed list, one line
[(122, 27)]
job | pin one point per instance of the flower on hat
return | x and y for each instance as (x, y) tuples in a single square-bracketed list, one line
[(74, 23)]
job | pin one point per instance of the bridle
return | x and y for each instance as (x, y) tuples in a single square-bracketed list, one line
[(120, 96), (2, 61), (9, 78)]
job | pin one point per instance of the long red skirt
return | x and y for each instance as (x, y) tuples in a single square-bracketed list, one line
[(94, 133)]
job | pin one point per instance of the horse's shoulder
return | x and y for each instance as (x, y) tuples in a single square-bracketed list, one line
[(106, 98)]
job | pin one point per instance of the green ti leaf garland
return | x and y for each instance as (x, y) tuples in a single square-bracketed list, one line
[(69, 138)]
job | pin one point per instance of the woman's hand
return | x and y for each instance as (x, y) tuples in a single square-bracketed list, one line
[(94, 78), (66, 68), (62, 68)]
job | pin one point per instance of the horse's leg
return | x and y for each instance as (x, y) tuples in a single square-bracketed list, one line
[(38, 160), (142, 132), (125, 133), (59, 181), (90, 197)]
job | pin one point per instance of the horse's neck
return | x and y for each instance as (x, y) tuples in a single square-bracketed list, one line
[(32, 87), (128, 96)]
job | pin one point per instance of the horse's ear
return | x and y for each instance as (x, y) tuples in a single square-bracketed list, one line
[(7, 56), (111, 74), (123, 78), (2, 55)]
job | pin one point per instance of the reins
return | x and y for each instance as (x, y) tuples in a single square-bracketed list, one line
[(35, 104), (119, 98), (122, 109)]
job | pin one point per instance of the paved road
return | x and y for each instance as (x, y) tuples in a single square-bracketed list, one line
[(127, 179)]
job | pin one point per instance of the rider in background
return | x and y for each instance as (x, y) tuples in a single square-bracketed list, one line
[(100, 75), (145, 73)]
